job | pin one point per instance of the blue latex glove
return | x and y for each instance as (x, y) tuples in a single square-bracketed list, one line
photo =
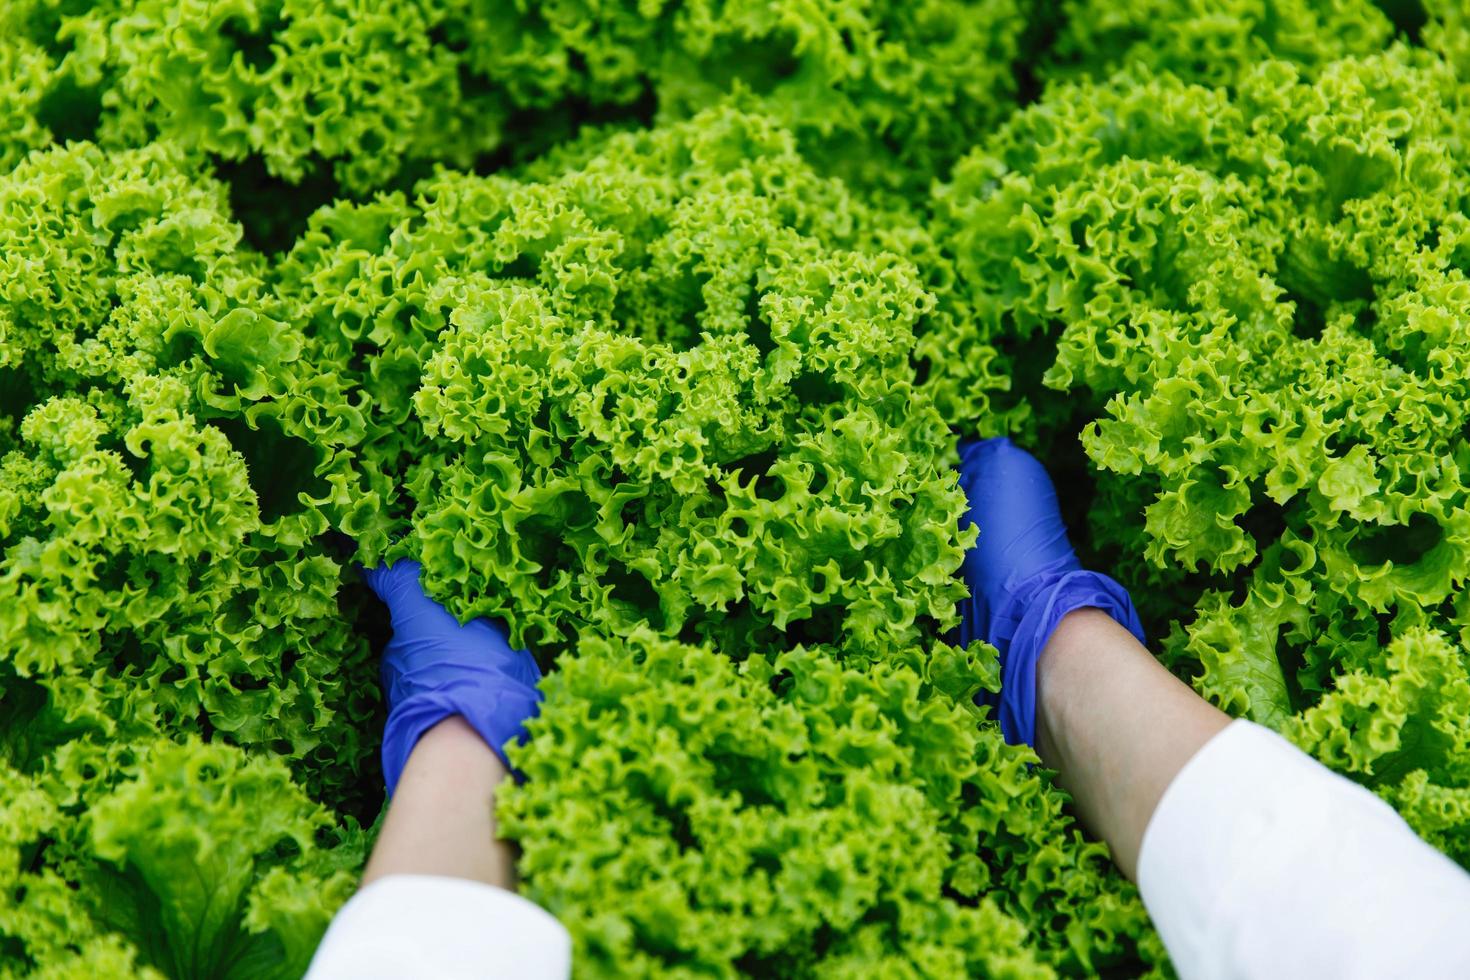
[(434, 668), (1023, 574)]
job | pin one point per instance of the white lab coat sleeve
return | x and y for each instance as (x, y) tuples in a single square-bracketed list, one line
[(1260, 862), (425, 926)]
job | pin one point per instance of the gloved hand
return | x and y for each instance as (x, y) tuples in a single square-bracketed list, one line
[(434, 668), (1023, 574)]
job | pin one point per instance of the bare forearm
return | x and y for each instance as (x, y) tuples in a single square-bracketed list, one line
[(442, 818), (1116, 726)]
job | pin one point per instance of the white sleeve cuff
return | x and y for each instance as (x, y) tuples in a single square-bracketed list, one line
[(1260, 862), (425, 926)]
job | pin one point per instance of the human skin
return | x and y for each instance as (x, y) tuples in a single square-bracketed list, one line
[(442, 818), (1116, 726)]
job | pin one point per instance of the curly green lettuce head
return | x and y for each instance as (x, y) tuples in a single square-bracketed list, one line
[(684, 815), (197, 861), (663, 383)]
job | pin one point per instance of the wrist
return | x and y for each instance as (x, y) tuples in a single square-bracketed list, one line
[(455, 735), (1061, 677), (1024, 626), (428, 727), (453, 745), (491, 704)]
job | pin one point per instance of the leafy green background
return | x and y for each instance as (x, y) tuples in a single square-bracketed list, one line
[(650, 328)]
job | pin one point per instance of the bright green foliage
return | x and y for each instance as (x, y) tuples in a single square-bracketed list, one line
[(24, 75), (1212, 42), (654, 389), (1267, 286), (606, 411), (1446, 31), (137, 556), (686, 816), (135, 542), (887, 92), (884, 93), (1404, 729), (356, 86), (199, 862), (666, 372)]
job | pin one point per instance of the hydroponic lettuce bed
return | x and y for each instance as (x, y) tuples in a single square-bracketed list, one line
[(651, 328)]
